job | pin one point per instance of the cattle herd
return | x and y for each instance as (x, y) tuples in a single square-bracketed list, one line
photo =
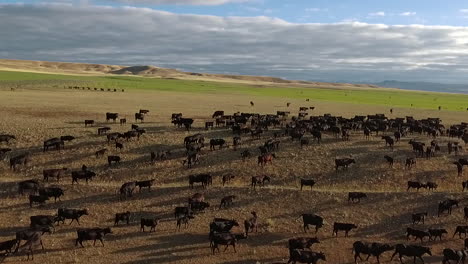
[(276, 129)]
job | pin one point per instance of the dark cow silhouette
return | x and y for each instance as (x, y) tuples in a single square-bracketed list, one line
[(227, 179), (126, 190), (343, 227), (417, 234), (40, 199), (460, 230), (456, 255), (302, 242), (91, 234), (305, 256), (82, 174), (370, 249), (311, 219), (113, 159), (139, 116), (122, 217), (204, 179), (54, 173), (184, 220), (104, 130), (57, 143), (151, 222), (353, 196), (411, 251), (389, 141), (343, 163), (217, 142), (145, 184), (415, 185), (22, 159), (307, 182), (88, 122), (409, 163), (31, 186), (418, 217), (112, 116), (49, 192), (446, 205), (389, 159), (251, 224), (227, 201), (73, 214), (259, 180), (436, 233)]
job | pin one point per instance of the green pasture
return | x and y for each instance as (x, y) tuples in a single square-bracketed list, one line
[(425, 100)]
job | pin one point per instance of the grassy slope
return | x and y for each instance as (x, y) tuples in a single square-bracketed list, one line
[(425, 100)]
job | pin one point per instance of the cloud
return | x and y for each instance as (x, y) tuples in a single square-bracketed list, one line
[(377, 14), (315, 9), (408, 14), (180, 2), (240, 45), (464, 11)]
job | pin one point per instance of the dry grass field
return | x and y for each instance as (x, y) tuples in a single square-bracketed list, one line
[(36, 115)]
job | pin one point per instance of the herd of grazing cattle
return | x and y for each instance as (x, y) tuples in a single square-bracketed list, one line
[(256, 126)]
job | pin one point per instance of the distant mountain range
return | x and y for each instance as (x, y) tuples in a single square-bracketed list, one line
[(426, 86)]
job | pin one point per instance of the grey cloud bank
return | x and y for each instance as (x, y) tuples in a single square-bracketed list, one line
[(257, 46)]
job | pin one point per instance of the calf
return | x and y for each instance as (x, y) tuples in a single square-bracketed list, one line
[(353, 196), (436, 233), (311, 219), (182, 211), (122, 217), (418, 217), (307, 182), (40, 199), (145, 184), (343, 227), (417, 234), (431, 186), (73, 214), (91, 234), (343, 163), (226, 201), (119, 145), (54, 173), (151, 222), (388, 141), (217, 142), (113, 159)]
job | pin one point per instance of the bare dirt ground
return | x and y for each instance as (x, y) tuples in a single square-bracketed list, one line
[(34, 116)]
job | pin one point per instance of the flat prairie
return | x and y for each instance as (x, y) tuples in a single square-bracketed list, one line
[(34, 115)]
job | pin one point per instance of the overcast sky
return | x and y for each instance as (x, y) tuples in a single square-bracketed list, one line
[(360, 41)]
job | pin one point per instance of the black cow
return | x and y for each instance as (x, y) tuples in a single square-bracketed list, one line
[(302, 242), (417, 234), (222, 225), (204, 179), (389, 159), (139, 116), (198, 206), (343, 163), (259, 180), (446, 206), (305, 256), (21, 159), (343, 227), (431, 186), (82, 174), (227, 179), (122, 217), (411, 251), (227, 200), (151, 222), (307, 182), (145, 184), (183, 220), (55, 173), (460, 230), (410, 162), (311, 219), (88, 122), (104, 130), (126, 190), (55, 192), (436, 233), (39, 221), (226, 239), (418, 217), (182, 211), (112, 116), (28, 185), (370, 249), (91, 234), (73, 214), (40, 199), (353, 196), (217, 114), (115, 159), (415, 185), (57, 143), (456, 255), (389, 141), (217, 142)]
